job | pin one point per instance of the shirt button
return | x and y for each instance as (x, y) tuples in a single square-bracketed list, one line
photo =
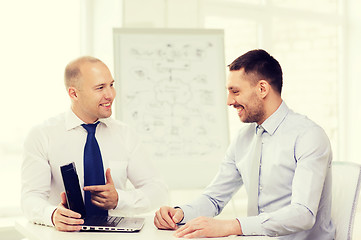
[(261, 210), (260, 188)]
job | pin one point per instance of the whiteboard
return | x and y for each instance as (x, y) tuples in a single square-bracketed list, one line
[(171, 87)]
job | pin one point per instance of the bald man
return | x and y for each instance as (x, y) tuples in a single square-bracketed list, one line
[(61, 140)]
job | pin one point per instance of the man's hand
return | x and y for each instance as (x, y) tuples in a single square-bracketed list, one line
[(104, 196), (209, 227), (168, 217), (65, 219)]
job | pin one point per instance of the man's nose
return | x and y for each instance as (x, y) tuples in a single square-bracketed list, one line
[(109, 93), (230, 100)]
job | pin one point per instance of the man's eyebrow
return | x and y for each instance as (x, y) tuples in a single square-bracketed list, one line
[(232, 88), (103, 84), (99, 85)]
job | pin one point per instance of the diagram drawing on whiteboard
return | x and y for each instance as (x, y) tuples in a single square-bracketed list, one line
[(171, 88)]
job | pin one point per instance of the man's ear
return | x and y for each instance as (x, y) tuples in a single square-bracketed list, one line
[(73, 93), (264, 88)]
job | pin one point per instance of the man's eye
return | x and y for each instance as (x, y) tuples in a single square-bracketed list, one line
[(99, 88)]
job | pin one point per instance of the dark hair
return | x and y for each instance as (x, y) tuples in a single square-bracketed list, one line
[(259, 63)]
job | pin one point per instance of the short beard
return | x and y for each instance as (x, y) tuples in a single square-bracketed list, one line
[(256, 112)]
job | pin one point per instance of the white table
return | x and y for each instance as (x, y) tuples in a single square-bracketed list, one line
[(149, 232)]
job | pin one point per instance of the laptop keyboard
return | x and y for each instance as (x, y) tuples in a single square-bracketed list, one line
[(113, 221), (108, 221)]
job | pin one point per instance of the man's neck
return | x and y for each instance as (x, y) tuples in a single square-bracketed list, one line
[(271, 106), (81, 117)]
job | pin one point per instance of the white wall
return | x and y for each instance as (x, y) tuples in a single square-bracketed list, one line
[(38, 38), (350, 84)]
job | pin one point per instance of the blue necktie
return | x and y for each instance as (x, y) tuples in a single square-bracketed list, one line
[(93, 169)]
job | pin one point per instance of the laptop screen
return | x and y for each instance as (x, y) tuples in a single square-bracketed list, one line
[(72, 189)]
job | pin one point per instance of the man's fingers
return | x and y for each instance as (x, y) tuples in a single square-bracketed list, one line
[(99, 196), (104, 196), (68, 228), (108, 176), (162, 224), (168, 217), (99, 202), (64, 223), (166, 214), (69, 221), (63, 198), (208, 227), (164, 220), (65, 219), (95, 188), (186, 229), (178, 216), (158, 225), (68, 213), (194, 234), (67, 225), (101, 188)]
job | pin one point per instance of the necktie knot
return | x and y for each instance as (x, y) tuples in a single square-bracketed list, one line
[(90, 127)]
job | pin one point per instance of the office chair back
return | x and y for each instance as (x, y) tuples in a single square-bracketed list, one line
[(346, 182)]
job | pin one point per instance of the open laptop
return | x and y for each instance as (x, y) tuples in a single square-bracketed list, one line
[(93, 223)]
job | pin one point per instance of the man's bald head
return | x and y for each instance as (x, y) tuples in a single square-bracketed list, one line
[(73, 74)]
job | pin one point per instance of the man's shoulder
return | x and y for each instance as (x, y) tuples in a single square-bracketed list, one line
[(52, 122), (44, 129), (300, 121), (115, 123), (297, 124), (118, 127)]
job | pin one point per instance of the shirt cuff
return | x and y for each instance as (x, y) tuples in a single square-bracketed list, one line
[(186, 211), (251, 226), (48, 213), (130, 203), (124, 198)]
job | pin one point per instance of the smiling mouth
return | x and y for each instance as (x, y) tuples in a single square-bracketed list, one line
[(105, 104), (239, 109)]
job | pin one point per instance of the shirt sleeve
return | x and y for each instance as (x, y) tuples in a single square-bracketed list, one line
[(36, 180), (313, 158), (215, 197), (149, 190)]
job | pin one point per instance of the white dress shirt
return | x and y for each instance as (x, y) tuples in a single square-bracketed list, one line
[(61, 140), (294, 188)]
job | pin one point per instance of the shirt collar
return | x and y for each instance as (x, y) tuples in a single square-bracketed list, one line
[(72, 121), (272, 123)]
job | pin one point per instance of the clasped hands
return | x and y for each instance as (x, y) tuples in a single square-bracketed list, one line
[(103, 196), (168, 217)]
